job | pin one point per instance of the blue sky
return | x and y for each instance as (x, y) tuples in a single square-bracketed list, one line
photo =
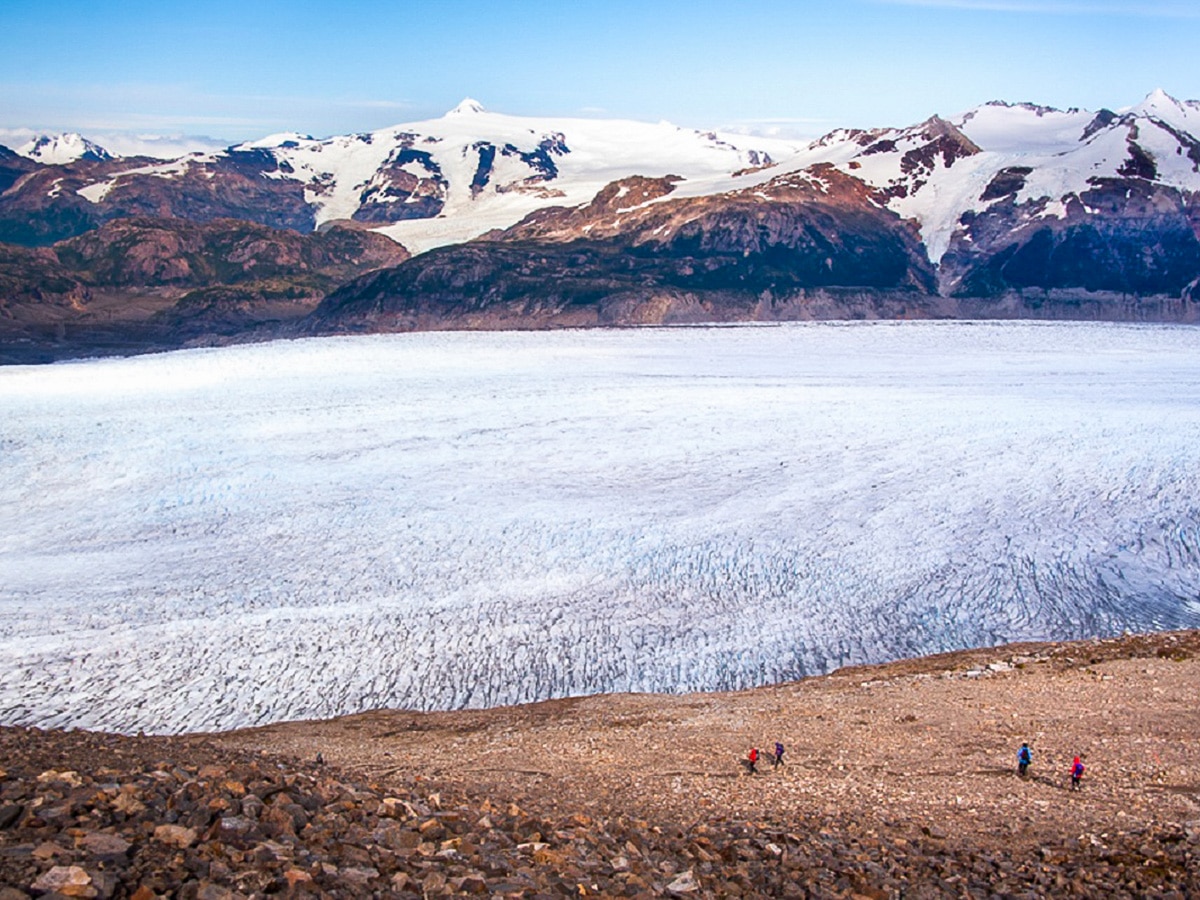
[(240, 70)]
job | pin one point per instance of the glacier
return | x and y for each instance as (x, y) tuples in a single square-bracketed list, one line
[(217, 538)]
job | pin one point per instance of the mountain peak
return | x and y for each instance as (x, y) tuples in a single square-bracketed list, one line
[(59, 149), (1156, 101), (466, 107)]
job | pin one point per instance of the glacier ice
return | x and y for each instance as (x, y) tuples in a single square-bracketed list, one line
[(226, 537)]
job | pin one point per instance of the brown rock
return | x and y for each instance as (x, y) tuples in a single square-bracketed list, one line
[(684, 884), (9, 814), (52, 776), (209, 891), (395, 808), (104, 845), (48, 850), (70, 881), (433, 883), (297, 876), (471, 884), (401, 881), (359, 876), (431, 830), (175, 836), (128, 804)]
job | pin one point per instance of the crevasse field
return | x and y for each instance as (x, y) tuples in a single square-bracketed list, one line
[(218, 538)]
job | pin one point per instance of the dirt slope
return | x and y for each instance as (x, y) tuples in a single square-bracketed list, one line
[(898, 782), (924, 744)]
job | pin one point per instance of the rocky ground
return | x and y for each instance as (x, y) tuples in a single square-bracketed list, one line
[(898, 782)]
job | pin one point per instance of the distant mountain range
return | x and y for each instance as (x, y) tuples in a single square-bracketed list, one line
[(1004, 210)]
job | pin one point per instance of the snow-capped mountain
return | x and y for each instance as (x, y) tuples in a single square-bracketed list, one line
[(60, 149), (1005, 209), (448, 180), (945, 174), (424, 183), (1094, 208)]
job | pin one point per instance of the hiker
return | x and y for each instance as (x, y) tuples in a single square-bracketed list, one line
[(778, 760), (1024, 758), (752, 761), (1076, 772)]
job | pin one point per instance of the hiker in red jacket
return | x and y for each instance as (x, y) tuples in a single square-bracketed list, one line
[(1076, 772), (752, 761)]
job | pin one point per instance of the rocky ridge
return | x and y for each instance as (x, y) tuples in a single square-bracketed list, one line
[(637, 255), (580, 798), (152, 283)]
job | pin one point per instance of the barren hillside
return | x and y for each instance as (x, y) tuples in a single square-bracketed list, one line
[(898, 782)]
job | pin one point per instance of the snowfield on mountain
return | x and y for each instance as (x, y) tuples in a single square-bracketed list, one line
[(447, 180), (216, 538)]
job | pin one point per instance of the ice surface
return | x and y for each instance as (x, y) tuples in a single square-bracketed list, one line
[(1021, 129), (215, 538)]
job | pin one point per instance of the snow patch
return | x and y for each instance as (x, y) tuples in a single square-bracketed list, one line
[(96, 192)]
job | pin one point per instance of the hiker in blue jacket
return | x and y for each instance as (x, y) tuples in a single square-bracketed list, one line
[(1024, 759)]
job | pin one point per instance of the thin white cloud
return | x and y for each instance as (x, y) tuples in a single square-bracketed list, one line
[(378, 104), (1160, 10), (170, 146), (11, 136), (788, 128), (140, 108)]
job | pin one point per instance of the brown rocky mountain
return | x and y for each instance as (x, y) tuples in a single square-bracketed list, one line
[(898, 781), (807, 244), (140, 283), (1145, 244), (13, 167), (43, 204)]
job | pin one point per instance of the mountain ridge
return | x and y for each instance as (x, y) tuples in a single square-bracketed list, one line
[(1012, 208)]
